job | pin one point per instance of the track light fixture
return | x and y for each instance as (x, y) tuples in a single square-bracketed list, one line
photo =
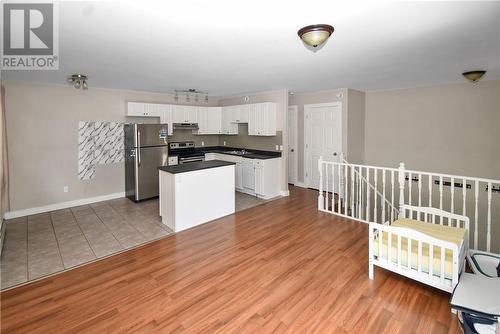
[(188, 93), (78, 81)]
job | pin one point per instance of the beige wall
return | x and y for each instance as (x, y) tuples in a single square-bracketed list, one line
[(187, 135), (243, 140), (280, 97), (355, 126), (451, 129), (352, 122), (42, 130)]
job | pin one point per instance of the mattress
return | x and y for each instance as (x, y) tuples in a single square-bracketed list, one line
[(445, 233)]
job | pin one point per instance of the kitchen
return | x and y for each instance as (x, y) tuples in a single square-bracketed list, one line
[(254, 168)]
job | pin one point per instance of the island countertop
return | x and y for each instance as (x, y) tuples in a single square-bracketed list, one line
[(194, 166)]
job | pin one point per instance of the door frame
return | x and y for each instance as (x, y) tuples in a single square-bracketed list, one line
[(294, 109), (307, 109)]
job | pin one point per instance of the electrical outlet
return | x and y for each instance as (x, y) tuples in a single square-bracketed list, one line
[(202, 143), (224, 143), (65, 189), (277, 147), (281, 147)]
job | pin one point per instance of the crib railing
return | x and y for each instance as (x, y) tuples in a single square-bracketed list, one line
[(377, 194)]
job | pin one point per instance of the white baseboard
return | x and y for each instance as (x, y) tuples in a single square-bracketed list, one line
[(285, 193), (63, 205), (300, 184)]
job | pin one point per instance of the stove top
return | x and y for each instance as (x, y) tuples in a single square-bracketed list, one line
[(183, 149)]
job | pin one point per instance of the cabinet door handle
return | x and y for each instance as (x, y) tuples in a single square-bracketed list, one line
[(138, 148)]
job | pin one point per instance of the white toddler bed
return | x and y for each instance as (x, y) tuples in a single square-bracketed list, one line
[(426, 244)]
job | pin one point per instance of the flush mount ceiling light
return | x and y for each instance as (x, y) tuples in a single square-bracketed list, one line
[(315, 35), (78, 80), (188, 93), (473, 76)]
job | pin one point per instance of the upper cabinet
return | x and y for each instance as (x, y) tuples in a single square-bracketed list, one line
[(243, 113), (184, 114), (209, 120), (229, 116), (232, 113), (136, 109), (166, 117), (261, 117)]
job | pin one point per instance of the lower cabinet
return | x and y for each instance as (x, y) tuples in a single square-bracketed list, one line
[(248, 175), (259, 179), (267, 177), (256, 177), (239, 176)]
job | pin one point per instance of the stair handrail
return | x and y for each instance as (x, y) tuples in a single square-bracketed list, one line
[(371, 186)]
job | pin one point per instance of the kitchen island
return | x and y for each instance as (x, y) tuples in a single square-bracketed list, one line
[(195, 193)]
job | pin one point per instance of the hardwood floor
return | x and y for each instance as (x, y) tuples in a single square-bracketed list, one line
[(280, 267)]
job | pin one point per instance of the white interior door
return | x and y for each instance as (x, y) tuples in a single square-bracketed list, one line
[(323, 137), (292, 144)]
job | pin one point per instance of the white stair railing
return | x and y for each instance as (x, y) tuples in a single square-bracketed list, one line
[(377, 194)]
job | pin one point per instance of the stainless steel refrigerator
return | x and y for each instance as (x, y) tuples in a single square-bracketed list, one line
[(146, 149)]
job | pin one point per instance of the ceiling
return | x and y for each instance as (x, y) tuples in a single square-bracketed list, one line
[(230, 47)]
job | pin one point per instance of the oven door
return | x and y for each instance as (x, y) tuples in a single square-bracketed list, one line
[(186, 160)]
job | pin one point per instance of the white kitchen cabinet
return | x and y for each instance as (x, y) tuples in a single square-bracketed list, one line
[(184, 114), (232, 113), (262, 119), (244, 112), (228, 124), (209, 120), (248, 175), (259, 178), (143, 109), (239, 175), (254, 176), (210, 156), (136, 109), (267, 177), (152, 109), (165, 111)]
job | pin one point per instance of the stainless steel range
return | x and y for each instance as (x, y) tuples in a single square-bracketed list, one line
[(185, 151)]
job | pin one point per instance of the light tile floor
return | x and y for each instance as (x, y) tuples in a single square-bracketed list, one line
[(43, 244)]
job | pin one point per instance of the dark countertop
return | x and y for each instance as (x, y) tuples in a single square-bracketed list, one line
[(252, 154), (194, 166)]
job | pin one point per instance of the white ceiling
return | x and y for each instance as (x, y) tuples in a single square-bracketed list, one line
[(229, 46)]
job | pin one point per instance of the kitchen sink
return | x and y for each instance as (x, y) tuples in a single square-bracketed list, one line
[(238, 152)]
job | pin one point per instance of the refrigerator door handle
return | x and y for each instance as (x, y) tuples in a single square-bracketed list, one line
[(139, 147)]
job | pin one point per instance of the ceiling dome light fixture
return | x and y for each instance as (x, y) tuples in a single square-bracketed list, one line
[(473, 76), (78, 81), (315, 35)]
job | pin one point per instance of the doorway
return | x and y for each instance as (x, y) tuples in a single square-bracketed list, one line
[(322, 137)]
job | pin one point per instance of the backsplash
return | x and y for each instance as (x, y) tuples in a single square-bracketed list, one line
[(187, 135), (98, 143), (243, 140)]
